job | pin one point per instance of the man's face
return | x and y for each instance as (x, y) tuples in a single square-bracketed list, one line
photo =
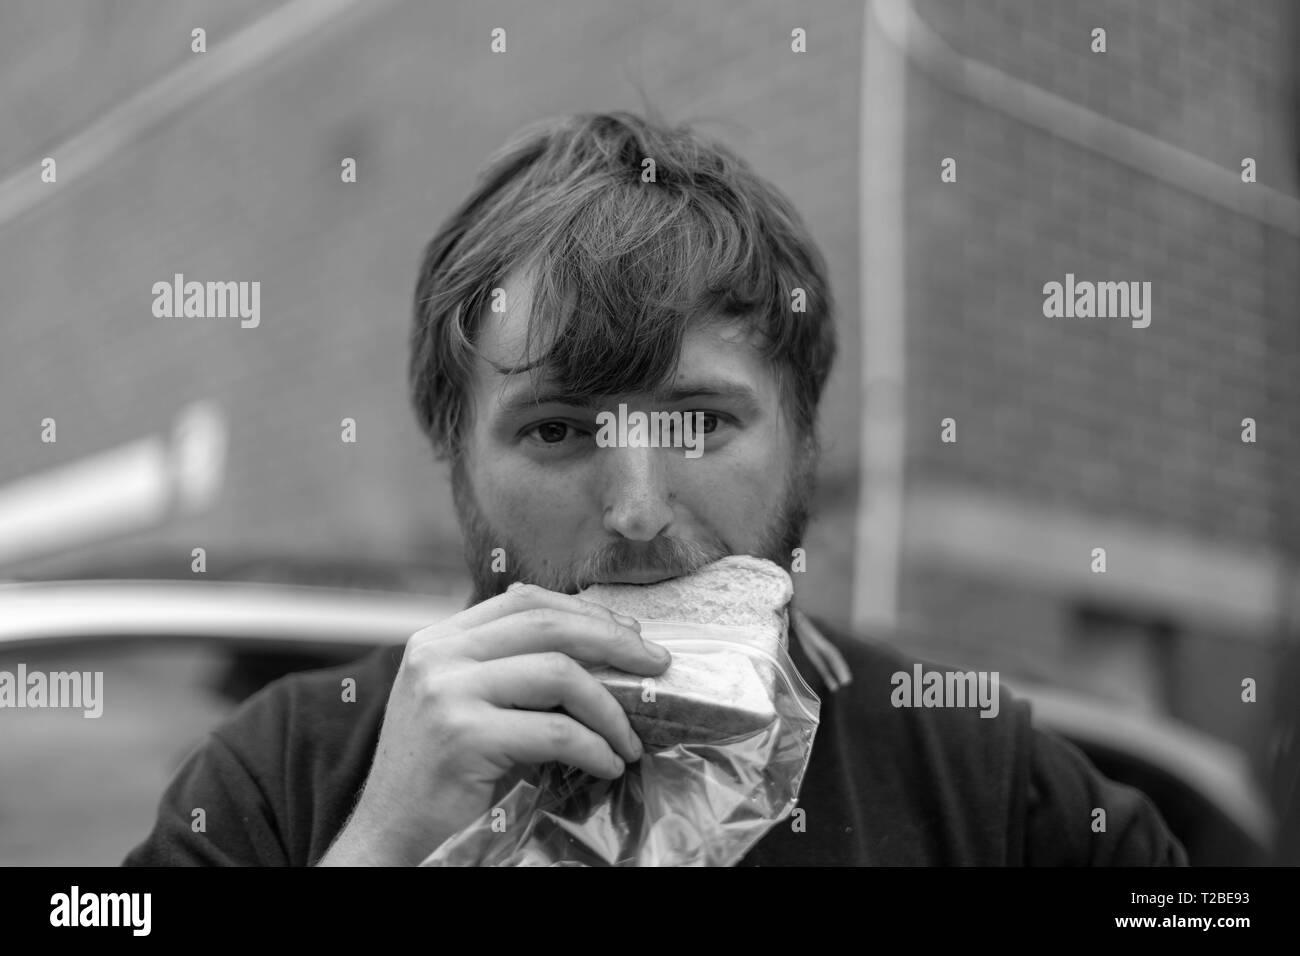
[(567, 513)]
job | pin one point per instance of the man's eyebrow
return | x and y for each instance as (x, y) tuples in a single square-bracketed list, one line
[(727, 391)]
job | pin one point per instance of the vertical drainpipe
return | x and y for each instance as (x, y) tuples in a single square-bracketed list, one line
[(879, 526)]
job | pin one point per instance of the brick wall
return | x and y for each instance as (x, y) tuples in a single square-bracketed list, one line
[(1094, 413), (1094, 416)]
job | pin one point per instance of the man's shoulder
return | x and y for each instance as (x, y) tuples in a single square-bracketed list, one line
[(310, 726), (307, 740), (323, 703), (286, 766), (373, 670), (904, 712)]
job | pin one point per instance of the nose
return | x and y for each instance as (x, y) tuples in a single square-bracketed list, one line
[(635, 492)]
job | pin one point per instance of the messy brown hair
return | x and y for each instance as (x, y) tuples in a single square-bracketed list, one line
[(619, 267)]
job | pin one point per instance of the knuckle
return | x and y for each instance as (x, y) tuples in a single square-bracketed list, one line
[(430, 643), (542, 619), (450, 730), (620, 635), (595, 609), (560, 732), (558, 666), (425, 655), (419, 655), (433, 689), (425, 635)]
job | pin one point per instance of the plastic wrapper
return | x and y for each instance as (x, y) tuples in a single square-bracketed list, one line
[(696, 803)]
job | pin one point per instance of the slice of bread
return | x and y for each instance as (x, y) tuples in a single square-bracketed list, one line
[(703, 697)]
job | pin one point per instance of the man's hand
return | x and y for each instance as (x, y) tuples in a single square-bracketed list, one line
[(472, 700)]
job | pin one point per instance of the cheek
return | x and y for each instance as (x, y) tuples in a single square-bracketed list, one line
[(740, 486), (527, 503)]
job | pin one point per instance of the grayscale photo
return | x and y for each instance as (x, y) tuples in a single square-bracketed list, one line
[(862, 433)]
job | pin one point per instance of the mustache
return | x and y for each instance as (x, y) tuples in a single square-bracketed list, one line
[(671, 557)]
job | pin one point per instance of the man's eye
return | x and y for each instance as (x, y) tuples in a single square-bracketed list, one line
[(550, 433), (708, 421)]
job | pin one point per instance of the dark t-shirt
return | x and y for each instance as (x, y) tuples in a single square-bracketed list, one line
[(884, 786)]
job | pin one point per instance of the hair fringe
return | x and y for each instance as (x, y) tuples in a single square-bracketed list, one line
[(618, 268)]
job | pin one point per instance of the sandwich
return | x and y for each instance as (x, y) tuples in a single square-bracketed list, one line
[(721, 692)]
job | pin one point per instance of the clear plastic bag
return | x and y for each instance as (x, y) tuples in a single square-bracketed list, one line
[(689, 804)]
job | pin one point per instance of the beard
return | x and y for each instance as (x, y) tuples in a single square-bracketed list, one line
[(673, 556)]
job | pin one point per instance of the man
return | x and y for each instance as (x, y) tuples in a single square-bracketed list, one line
[(599, 261)]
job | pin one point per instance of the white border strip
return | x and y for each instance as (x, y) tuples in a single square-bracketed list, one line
[(85, 610), (1188, 577), (878, 534), (113, 492), (102, 495)]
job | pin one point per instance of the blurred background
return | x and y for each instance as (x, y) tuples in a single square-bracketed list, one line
[(1071, 434)]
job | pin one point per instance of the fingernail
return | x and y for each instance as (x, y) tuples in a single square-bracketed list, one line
[(618, 765), (658, 651), (628, 621), (634, 743)]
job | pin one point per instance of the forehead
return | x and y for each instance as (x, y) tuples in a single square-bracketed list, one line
[(713, 350)]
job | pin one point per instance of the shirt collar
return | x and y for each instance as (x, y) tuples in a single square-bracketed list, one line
[(812, 651)]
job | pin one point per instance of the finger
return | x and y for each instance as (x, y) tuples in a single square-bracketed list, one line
[(530, 737), (521, 597), (542, 681), (588, 638)]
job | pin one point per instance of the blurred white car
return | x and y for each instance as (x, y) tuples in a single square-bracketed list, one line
[(177, 656)]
